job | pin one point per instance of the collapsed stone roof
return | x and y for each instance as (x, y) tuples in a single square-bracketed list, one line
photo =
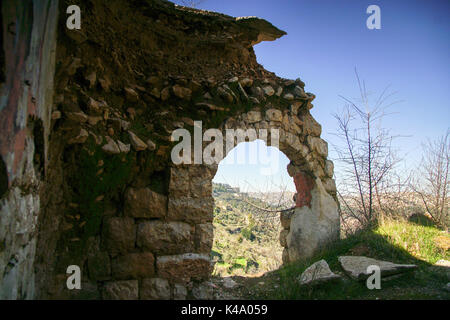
[(161, 37)]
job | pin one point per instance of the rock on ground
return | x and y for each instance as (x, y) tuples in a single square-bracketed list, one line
[(356, 266), (318, 272)]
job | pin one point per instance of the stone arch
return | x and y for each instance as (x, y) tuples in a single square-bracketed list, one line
[(315, 221), (151, 234)]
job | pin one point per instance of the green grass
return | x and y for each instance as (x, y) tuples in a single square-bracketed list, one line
[(396, 241)]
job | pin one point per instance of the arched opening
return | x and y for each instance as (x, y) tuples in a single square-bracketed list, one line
[(250, 186)]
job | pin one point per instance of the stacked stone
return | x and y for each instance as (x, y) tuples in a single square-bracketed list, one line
[(156, 245), (300, 140), (160, 248)]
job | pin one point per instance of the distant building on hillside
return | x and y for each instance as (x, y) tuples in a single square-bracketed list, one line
[(224, 188)]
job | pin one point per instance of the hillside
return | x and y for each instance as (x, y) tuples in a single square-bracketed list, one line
[(245, 238), (400, 241)]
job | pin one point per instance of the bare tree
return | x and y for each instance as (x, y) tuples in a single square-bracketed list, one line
[(366, 155), (268, 212), (432, 186)]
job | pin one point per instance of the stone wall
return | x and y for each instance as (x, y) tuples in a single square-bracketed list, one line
[(103, 192), (28, 48)]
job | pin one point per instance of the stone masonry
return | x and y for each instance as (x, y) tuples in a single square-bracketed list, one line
[(110, 199)]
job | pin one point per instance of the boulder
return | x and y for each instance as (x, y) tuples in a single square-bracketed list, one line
[(319, 272), (356, 266)]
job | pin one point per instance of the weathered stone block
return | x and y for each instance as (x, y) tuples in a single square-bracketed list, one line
[(311, 126), (165, 237), (99, 266), (313, 227), (133, 266), (179, 292), (192, 210), (121, 290), (155, 289), (179, 182), (292, 141), (329, 168), (357, 266), (184, 267), (253, 116), (317, 273), (274, 115), (200, 186), (145, 203), (204, 236), (318, 145), (119, 234)]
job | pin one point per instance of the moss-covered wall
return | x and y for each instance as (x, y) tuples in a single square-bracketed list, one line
[(112, 201)]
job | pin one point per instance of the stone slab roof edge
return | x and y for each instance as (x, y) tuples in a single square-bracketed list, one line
[(257, 28)]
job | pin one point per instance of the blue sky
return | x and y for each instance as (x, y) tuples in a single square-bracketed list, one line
[(327, 39)]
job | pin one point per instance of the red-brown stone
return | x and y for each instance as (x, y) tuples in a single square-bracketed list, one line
[(304, 183)]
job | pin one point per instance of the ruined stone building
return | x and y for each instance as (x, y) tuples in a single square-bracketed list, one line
[(86, 117)]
